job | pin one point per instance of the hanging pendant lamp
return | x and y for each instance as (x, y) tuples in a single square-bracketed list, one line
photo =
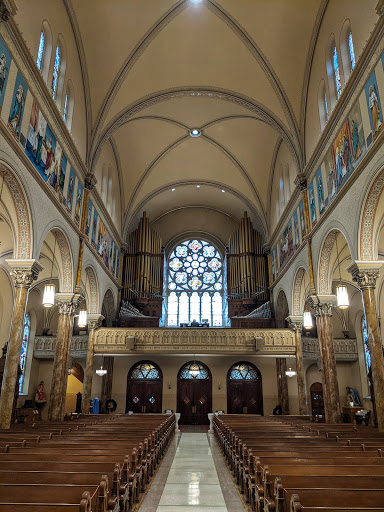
[(49, 289), (101, 371), (307, 323), (83, 316), (341, 289), (194, 368)]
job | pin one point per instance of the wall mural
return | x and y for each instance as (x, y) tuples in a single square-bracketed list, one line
[(49, 160), (341, 160)]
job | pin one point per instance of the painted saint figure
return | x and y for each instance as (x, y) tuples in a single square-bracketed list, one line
[(70, 193), (15, 114), (88, 223), (50, 157), (312, 205), (355, 141), (375, 110), (3, 72), (78, 204), (320, 193)]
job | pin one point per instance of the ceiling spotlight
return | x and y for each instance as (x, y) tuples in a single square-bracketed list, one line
[(195, 132), (197, 186), (173, 189), (223, 191)]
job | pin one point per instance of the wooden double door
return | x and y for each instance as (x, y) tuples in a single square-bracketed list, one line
[(245, 397), (144, 396), (194, 395)]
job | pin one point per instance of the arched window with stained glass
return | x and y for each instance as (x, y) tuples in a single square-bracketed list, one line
[(244, 371), (24, 349), (195, 370), (40, 51), (56, 71), (367, 352), (336, 71), (326, 106), (195, 284), (145, 370), (351, 50)]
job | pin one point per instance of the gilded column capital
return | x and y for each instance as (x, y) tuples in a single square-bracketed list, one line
[(90, 181), (94, 322), (24, 272), (322, 305), (365, 273), (301, 181), (7, 9), (67, 303), (295, 323)]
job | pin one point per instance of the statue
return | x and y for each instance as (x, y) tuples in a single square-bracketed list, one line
[(353, 397), (40, 396)]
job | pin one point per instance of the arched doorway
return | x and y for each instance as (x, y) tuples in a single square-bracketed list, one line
[(244, 388), (144, 388), (194, 393), (317, 401)]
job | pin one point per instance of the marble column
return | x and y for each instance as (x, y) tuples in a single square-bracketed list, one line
[(94, 322), (282, 384), (106, 384), (365, 274), (322, 306), (23, 272), (296, 324), (67, 303)]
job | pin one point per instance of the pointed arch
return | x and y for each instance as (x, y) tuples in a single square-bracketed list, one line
[(298, 298), (94, 290)]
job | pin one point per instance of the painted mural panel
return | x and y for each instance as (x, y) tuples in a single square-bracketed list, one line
[(296, 230), (79, 202), (320, 191), (359, 147), (71, 189), (342, 155), (17, 105), (302, 220), (94, 228), (89, 218), (312, 204), (114, 260), (117, 264), (5, 63), (374, 105), (286, 244)]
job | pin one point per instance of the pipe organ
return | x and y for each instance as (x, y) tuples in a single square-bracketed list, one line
[(246, 270), (143, 269)]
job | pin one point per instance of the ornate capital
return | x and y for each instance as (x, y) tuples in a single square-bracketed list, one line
[(365, 273), (94, 322), (322, 306), (295, 323), (301, 181), (124, 248), (67, 303), (7, 9), (267, 248), (24, 272), (90, 181)]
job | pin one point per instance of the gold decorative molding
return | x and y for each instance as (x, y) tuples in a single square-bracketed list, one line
[(210, 341)]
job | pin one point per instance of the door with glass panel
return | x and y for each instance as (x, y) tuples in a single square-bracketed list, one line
[(244, 388), (194, 393), (144, 388)]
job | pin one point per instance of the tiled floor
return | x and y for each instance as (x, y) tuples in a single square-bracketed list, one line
[(192, 478)]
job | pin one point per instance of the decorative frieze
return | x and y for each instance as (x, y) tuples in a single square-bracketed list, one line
[(45, 347), (345, 349)]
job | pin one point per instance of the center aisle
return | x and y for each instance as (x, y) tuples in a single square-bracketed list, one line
[(192, 483)]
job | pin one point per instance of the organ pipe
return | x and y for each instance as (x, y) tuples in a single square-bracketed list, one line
[(144, 262), (247, 271)]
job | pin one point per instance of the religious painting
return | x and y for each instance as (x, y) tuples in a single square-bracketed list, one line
[(320, 190), (111, 255), (374, 105), (61, 181), (286, 244), (273, 264), (312, 204), (117, 264), (331, 181), (104, 250), (114, 259), (54, 166), (302, 220), (94, 227), (342, 155), (5, 63), (79, 202), (17, 105), (35, 148), (88, 218), (296, 230), (357, 135), (71, 189)]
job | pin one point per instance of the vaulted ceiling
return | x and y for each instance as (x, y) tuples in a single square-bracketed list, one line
[(234, 69)]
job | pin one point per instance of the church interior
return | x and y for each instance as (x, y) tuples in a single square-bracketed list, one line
[(191, 255)]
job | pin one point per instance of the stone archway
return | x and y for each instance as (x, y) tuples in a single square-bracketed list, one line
[(298, 299), (108, 308), (66, 268), (94, 290), (367, 220)]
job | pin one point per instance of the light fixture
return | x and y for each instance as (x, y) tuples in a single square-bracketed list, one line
[(197, 186), (101, 371), (223, 191), (341, 289), (49, 289), (82, 322), (307, 320), (194, 368), (290, 372), (195, 132), (173, 189)]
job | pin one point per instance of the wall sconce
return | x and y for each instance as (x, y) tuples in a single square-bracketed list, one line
[(219, 385), (169, 385)]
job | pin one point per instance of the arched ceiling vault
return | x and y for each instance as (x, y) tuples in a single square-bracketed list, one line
[(227, 67)]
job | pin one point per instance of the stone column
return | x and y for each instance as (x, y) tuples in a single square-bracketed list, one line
[(282, 384), (68, 303), (365, 274), (296, 324), (94, 322), (23, 272), (106, 385), (322, 306)]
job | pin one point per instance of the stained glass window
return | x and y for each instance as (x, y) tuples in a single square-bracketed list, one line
[(351, 51), (185, 372), (56, 69), (146, 370), (336, 71), (367, 351), (326, 106), (24, 348), (195, 284), (65, 112), (40, 52), (243, 371)]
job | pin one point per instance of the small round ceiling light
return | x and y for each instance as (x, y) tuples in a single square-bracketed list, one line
[(195, 132), (173, 189), (197, 186), (223, 191)]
